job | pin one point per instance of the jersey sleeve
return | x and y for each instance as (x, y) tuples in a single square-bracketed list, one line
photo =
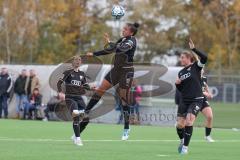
[(84, 80), (62, 80), (179, 86), (108, 49), (202, 56), (127, 45), (85, 84)]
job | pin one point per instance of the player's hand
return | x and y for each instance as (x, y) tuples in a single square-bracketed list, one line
[(191, 44), (106, 38), (92, 86), (90, 54), (208, 95), (178, 81), (61, 95)]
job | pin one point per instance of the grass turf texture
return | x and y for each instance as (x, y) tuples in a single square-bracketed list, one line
[(225, 116), (36, 140)]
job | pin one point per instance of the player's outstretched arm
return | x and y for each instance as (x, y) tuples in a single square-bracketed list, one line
[(108, 48), (201, 55)]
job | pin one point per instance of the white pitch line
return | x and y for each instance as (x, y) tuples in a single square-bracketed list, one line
[(110, 140), (162, 155)]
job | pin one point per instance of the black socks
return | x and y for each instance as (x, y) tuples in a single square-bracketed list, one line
[(188, 135), (76, 127), (180, 132), (126, 115), (208, 131), (93, 101), (83, 124)]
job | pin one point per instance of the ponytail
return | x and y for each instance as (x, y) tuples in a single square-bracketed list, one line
[(134, 27)]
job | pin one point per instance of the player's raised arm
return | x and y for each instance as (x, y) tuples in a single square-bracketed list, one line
[(108, 48), (201, 55)]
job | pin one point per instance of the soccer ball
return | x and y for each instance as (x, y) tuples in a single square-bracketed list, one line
[(118, 11)]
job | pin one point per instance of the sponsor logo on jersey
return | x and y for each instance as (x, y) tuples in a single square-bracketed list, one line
[(76, 83), (185, 76)]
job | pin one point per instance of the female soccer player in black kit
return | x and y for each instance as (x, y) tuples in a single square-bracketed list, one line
[(189, 84), (206, 109), (75, 84), (122, 72)]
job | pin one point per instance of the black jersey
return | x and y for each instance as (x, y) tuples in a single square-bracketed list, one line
[(74, 83), (190, 76), (190, 87), (124, 48)]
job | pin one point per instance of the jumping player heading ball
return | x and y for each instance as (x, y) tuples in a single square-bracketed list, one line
[(122, 73)]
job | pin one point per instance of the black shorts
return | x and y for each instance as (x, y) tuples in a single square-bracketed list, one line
[(186, 107), (75, 103), (121, 76), (205, 104)]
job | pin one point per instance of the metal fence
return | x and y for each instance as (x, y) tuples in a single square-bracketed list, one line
[(225, 88)]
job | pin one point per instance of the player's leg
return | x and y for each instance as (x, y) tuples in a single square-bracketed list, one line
[(126, 113), (84, 120), (71, 103), (126, 100), (181, 120), (98, 94), (83, 124), (180, 126), (193, 110), (208, 114), (76, 129)]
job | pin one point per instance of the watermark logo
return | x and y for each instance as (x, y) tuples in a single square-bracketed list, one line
[(147, 75)]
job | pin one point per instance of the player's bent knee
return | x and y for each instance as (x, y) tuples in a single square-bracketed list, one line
[(75, 113), (180, 125), (76, 120), (189, 122)]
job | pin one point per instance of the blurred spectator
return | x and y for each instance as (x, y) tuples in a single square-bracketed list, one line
[(52, 103), (32, 82), (5, 88), (134, 110), (35, 101), (20, 88)]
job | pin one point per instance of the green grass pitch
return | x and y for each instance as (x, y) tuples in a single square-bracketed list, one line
[(36, 140)]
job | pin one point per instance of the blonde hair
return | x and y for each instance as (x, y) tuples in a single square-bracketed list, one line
[(192, 56)]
